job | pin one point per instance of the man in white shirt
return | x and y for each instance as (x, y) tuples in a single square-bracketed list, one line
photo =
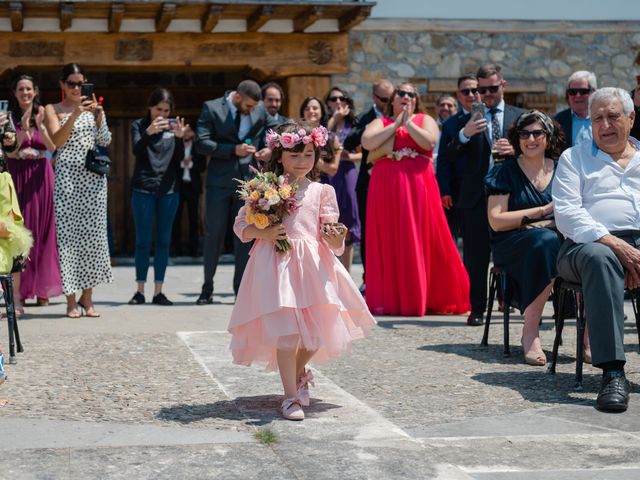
[(596, 194)]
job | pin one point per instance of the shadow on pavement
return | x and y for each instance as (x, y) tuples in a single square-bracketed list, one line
[(257, 410)]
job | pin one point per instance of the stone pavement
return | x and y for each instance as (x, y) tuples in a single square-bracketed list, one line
[(148, 392)]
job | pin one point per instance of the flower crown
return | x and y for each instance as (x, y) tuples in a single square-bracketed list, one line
[(319, 136)]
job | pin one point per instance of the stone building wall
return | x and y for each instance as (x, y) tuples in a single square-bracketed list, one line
[(546, 54)]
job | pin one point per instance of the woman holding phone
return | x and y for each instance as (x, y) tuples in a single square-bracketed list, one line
[(76, 125), (33, 177), (159, 148)]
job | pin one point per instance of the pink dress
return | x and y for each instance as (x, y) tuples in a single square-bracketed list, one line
[(300, 299)]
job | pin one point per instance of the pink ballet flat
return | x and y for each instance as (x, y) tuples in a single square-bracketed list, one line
[(292, 409), (303, 387)]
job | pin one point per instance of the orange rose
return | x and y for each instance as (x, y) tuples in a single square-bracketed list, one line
[(261, 221)]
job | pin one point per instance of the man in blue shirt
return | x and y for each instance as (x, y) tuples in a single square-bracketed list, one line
[(575, 120)]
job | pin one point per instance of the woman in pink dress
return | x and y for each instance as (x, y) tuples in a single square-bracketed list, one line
[(300, 304), (413, 266), (33, 177)]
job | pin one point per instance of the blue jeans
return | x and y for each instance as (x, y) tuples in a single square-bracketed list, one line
[(146, 206)]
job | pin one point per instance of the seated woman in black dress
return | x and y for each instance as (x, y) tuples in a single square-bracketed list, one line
[(519, 192)]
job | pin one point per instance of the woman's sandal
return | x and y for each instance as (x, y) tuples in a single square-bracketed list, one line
[(292, 409), (74, 313), (304, 381), (93, 314), (537, 358)]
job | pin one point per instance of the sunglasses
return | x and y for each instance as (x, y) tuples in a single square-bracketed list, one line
[(492, 89), (71, 84), (525, 134), (338, 97), (572, 92), (467, 91), (382, 99), (402, 93)]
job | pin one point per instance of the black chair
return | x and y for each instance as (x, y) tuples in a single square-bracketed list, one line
[(498, 281), (14, 335), (574, 290)]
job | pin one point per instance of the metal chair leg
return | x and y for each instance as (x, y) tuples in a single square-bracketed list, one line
[(492, 295), (7, 286), (559, 319), (580, 327), (506, 305)]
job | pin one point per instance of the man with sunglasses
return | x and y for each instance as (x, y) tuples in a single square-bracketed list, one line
[(479, 141), (575, 120), (380, 95), (449, 170)]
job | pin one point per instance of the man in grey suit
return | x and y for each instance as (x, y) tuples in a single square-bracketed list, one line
[(231, 132), (595, 202)]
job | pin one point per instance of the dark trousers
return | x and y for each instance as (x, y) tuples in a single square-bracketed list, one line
[(454, 221), (476, 253), (221, 207), (601, 274), (190, 199)]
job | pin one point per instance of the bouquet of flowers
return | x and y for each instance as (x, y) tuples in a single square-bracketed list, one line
[(268, 198)]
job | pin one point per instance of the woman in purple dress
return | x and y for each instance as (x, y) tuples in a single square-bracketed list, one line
[(341, 121), (33, 177)]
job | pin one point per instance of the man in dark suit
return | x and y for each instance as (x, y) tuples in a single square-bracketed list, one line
[(450, 170), (482, 141), (381, 93), (272, 97), (575, 120), (231, 132), (635, 94)]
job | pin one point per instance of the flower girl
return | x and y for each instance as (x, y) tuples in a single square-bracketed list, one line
[(295, 303)]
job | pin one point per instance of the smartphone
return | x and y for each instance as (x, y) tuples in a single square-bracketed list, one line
[(87, 90), (4, 105), (172, 123), (480, 108)]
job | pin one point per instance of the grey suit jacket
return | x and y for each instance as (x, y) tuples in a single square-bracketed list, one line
[(217, 137)]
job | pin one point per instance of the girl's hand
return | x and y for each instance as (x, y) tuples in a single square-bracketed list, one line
[(334, 234), (159, 124), (273, 233), (179, 127)]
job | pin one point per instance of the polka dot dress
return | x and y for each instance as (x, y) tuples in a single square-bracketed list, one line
[(80, 201)]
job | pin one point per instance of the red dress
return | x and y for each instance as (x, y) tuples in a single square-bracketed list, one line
[(412, 264)]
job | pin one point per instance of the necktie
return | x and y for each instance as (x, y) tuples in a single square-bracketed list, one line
[(237, 120), (495, 125)]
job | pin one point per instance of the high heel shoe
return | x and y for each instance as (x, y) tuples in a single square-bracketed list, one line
[(535, 358), (86, 313)]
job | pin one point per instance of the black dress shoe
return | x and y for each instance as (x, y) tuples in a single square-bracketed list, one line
[(205, 299), (137, 299), (475, 319), (160, 299), (614, 393)]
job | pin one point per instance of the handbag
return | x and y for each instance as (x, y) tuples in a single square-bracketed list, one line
[(97, 162), (384, 150)]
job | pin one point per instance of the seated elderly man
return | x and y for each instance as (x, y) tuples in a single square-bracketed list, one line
[(596, 194)]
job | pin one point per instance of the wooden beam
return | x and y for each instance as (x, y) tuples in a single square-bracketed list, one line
[(116, 14), (166, 13), (353, 18), (17, 20), (258, 18), (307, 18), (211, 18)]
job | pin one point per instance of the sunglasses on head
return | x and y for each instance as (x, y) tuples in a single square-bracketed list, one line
[(525, 134), (402, 93), (382, 99), (467, 91), (338, 97), (492, 89), (71, 84), (572, 92)]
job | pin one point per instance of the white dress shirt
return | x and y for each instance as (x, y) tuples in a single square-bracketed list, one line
[(593, 195)]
